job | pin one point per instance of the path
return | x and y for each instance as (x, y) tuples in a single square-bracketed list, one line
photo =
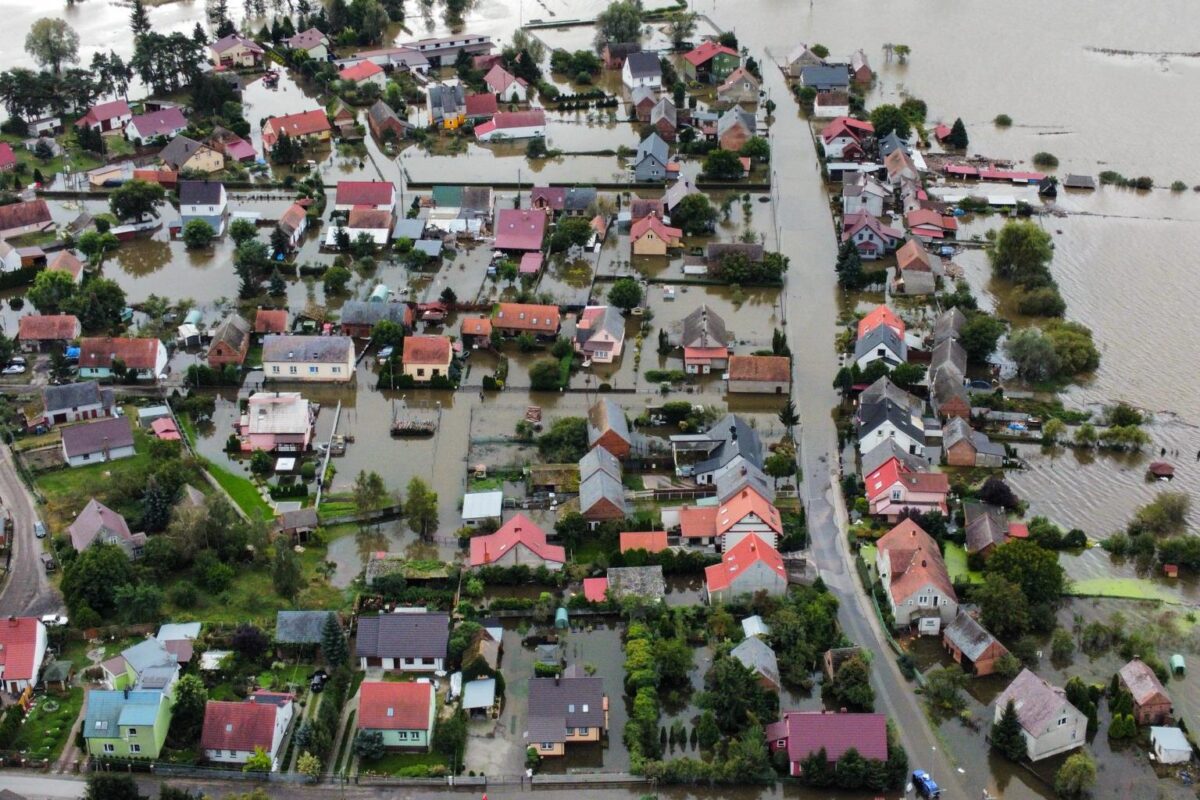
[(27, 591)]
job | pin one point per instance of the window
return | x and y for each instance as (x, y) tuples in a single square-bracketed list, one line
[(275, 370), (133, 731), (896, 496), (108, 748), (1062, 720), (313, 370), (420, 372), (547, 745), (570, 731), (292, 370), (583, 731), (337, 370), (401, 734), (135, 748)]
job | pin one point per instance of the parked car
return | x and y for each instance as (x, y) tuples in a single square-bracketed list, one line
[(316, 681), (924, 784), (53, 620), (17, 360), (39, 529), (48, 562), (13, 369)]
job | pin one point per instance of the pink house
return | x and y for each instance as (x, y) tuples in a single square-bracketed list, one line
[(519, 542), (872, 238), (892, 488), (600, 334), (276, 422)]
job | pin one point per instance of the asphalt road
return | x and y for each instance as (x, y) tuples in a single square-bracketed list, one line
[(26, 592)]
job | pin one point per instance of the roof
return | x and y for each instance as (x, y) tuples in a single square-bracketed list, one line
[(301, 627), (706, 51), (95, 519), (556, 704), (200, 193), (476, 326), (19, 215), (704, 328), (740, 475), (746, 502), (579, 198), (595, 590), (754, 626), (234, 331), (912, 255), (881, 336), (426, 350), (599, 486), (147, 654), (179, 150), (271, 320), (902, 417), (105, 111), (807, 732), (661, 230), (176, 631), (481, 105), (238, 726), (846, 126), (749, 551), (390, 705), (853, 223), (916, 561), (74, 395), (527, 317), (37, 327), (734, 437), (531, 263), (969, 636), (1142, 683), (948, 324), (305, 40), (422, 635), (1036, 701), (655, 146), (234, 40), (364, 193), (305, 349), (636, 582), (733, 117), (883, 389), (650, 541), (159, 123), (302, 123), (67, 262), (107, 711), (698, 522), (950, 353), (604, 416), (877, 456), (552, 197), (737, 76), (499, 79), (1079, 182), (520, 530), (479, 694), (772, 369), (664, 109), (643, 65), (298, 518), (520, 229), (18, 648), (1170, 738), (824, 75), (94, 437), (922, 217), (365, 312), (757, 655), (360, 71)]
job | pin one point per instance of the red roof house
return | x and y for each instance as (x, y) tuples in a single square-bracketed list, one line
[(232, 731), (360, 71), (380, 195), (927, 224), (518, 318), (481, 105), (22, 650), (842, 138), (892, 488), (941, 132), (651, 236), (749, 567), (518, 542), (519, 230), (914, 576), (389, 706), (302, 125), (880, 315), (650, 541), (271, 320), (38, 329), (872, 238), (802, 733), (595, 590), (165, 429), (106, 116)]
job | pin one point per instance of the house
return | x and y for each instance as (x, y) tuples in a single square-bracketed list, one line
[(99, 523), (900, 167), (864, 194), (66, 261), (305, 126), (965, 447), (739, 87), (705, 342), (277, 422), (917, 269), (231, 145), (883, 389), (403, 713), (600, 334), (749, 567), (1170, 745), (871, 237), (749, 512), (359, 317), (298, 524), (149, 664), (758, 657), (427, 357), (293, 223), (663, 119), (615, 53), (184, 153), (362, 73), (519, 230), (710, 62), (518, 542), (230, 342), (384, 123), (203, 200), (914, 578), (948, 324), (308, 358), (75, 402), (505, 125), (99, 440), (271, 320), (1050, 724), (22, 651), (642, 100), (800, 57), (233, 732), (650, 163), (312, 42), (607, 428), (47, 332), (481, 106), (363, 221), (890, 143), (442, 51), (1151, 704), (165, 123), (650, 541), (880, 344), (446, 104), (601, 493), (825, 77), (947, 380), (928, 225), (551, 199), (754, 626), (702, 456), (475, 331), (302, 629), (8, 159), (759, 374), (30, 216), (641, 70), (741, 476), (831, 104), (401, 59), (860, 69), (374, 195), (513, 319), (236, 52), (579, 201), (971, 646), (734, 128), (506, 86), (105, 117), (891, 421), (892, 490), (569, 709), (801, 734), (842, 139), (650, 236), (404, 641), (126, 724)]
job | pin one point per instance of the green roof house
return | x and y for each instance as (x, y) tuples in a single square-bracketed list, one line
[(126, 724)]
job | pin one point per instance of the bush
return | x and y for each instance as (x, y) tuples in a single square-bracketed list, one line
[(1044, 159), (1002, 120)]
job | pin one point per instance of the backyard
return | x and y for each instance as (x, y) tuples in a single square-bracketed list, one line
[(48, 725)]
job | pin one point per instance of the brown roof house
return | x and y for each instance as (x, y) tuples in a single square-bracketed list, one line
[(1050, 723), (1151, 704), (385, 124), (734, 128), (601, 493), (28, 217), (607, 428), (947, 380), (663, 119), (98, 523), (759, 374), (569, 709), (967, 447), (986, 527), (230, 342), (271, 320), (47, 332), (740, 87), (971, 646), (914, 576)]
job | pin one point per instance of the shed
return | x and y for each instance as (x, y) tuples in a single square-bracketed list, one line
[(561, 620), (480, 507), (1178, 668), (57, 674), (754, 626), (1170, 745), (151, 413), (479, 695)]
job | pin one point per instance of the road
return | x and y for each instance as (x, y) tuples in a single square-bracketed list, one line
[(26, 589)]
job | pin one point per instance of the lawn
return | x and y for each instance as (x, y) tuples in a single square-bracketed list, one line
[(243, 491), (45, 731), (68, 490), (392, 763), (280, 679), (956, 564), (1124, 588)]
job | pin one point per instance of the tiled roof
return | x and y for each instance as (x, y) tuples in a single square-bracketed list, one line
[(746, 502), (527, 317), (18, 215), (426, 350), (238, 726), (360, 71), (404, 635), (807, 732), (96, 519), (271, 320), (1142, 683), (364, 193), (305, 349), (746, 553), (18, 647), (556, 704), (67, 262), (303, 123), (93, 437), (520, 530), (916, 561), (36, 327), (650, 541), (390, 706), (706, 51), (773, 369), (661, 230), (159, 123), (1036, 701), (595, 590)]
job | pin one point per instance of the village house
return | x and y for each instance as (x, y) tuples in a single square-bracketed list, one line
[(568, 709), (843, 138), (740, 477), (864, 194), (97, 441), (447, 105), (759, 374), (880, 344), (475, 331), (427, 357), (601, 493), (831, 104), (406, 640), (270, 320), (401, 59), (308, 358), (663, 119), (296, 525), (31, 216), (144, 358), (23, 647), (749, 567), (928, 225), (802, 734), (66, 261), (165, 123), (42, 333), (641, 69), (600, 334), (106, 117), (947, 380), (917, 270), (402, 713), (304, 126), (900, 167), (892, 489), (520, 230), (871, 237), (965, 447), (710, 62), (880, 315), (230, 342), (359, 317), (739, 87), (705, 342), (860, 69), (363, 221), (231, 145), (506, 125), (236, 52), (203, 200), (651, 163), (650, 236), (889, 421), (1151, 703), (442, 51), (513, 319), (97, 523), (971, 646), (607, 428), (948, 325), (914, 577), (75, 402), (234, 731), (506, 86), (734, 128), (480, 107), (293, 223), (312, 42), (758, 657), (149, 664), (890, 143), (748, 513), (883, 389), (384, 123), (825, 77), (642, 100), (551, 199), (649, 541), (362, 73), (276, 422), (702, 456), (126, 724), (183, 153), (614, 53), (373, 195), (518, 542), (1050, 724), (800, 57)]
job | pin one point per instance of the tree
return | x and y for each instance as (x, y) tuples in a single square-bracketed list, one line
[(1034, 355), (735, 696), (1062, 644), (996, 492), (197, 233), (907, 375), (421, 508), (260, 761), (544, 375), (851, 685), (680, 26), (1076, 776), (756, 148), (139, 603), (309, 766), (979, 336), (333, 642), (277, 287), (369, 491), (943, 689), (1021, 253), (1166, 514), (888, 119), (573, 231), (722, 165), (620, 22), (135, 199), (368, 745), (1033, 568), (566, 441), (1003, 608), (286, 574), (93, 577), (958, 135), (187, 709), (1073, 347), (139, 20), (707, 732), (287, 150), (111, 786), (695, 215), (1007, 736), (96, 245), (625, 294), (250, 643), (52, 43), (52, 290), (335, 280), (788, 416), (242, 230)]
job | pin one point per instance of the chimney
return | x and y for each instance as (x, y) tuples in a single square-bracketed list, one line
[(923, 563), (126, 692), (557, 678)]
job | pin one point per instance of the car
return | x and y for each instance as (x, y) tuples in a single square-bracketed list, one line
[(13, 369), (17, 360), (39, 529), (924, 784), (53, 620), (316, 681), (980, 385)]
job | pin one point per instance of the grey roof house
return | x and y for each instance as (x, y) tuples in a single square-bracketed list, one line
[(703, 455), (71, 402), (880, 343), (948, 325), (890, 143), (601, 493), (578, 199), (404, 641), (98, 441), (825, 77), (445, 101), (704, 328), (966, 447), (650, 163), (986, 526), (568, 709), (757, 655)]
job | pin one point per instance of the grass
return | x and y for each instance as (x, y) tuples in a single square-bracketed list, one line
[(282, 677), (1122, 588), (956, 564), (346, 753), (45, 733), (392, 763), (243, 491)]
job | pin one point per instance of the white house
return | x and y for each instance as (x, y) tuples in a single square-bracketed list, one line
[(23, 648), (407, 640), (1170, 745), (642, 69), (513, 125), (234, 731), (205, 200), (328, 359), (166, 123), (481, 507), (887, 421), (506, 86), (1050, 724), (862, 193), (831, 104), (75, 402), (914, 577), (376, 195), (750, 567), (97, 441)]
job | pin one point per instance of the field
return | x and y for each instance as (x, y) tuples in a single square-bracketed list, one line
[(1124, 588)]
